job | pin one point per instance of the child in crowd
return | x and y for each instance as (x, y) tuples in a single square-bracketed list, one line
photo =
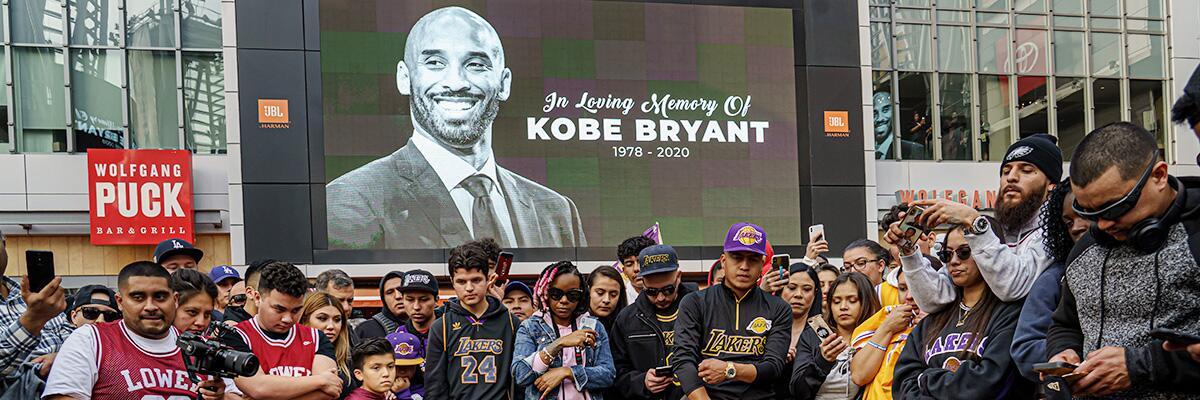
[(373, 362), (409, 357)]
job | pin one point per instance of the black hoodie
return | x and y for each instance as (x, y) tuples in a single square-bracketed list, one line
[(641, 339), (384, 322), (470, 358)]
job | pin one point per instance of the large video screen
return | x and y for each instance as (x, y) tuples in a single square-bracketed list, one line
[(555, 123)]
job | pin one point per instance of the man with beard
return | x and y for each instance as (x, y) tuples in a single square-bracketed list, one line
[(1030, 169), (454, 70), (139, 354)]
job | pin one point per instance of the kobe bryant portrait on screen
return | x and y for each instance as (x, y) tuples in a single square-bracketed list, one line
[(443, 187)]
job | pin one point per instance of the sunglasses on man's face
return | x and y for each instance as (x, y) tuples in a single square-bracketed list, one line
[(91, 314), (665, 290), (963, 253), (237, 299), (1113, 211), (573, 295)]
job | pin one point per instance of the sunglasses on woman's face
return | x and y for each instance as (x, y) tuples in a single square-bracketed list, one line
[(573, 295), (665, 290), (91, 314), (962, 252)]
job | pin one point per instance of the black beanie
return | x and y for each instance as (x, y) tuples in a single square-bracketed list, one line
[(1187, 107), (1041, 150)]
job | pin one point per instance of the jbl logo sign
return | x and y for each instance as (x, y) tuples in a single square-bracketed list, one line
[(837, 124), (273, 113)]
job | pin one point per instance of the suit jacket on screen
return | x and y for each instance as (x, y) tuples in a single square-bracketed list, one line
[(398, 202)]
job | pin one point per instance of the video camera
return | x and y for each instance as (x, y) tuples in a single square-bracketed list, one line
[(205, 354)]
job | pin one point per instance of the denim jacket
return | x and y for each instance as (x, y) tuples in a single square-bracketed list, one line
[(539, 331)]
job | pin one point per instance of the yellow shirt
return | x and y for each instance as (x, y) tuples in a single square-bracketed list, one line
[(881, 386), (888, 295)]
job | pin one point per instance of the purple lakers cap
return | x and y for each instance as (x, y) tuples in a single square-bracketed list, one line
[(744, 236), (407, 348)]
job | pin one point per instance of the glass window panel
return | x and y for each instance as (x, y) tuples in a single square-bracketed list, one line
[(912, 14), (1144, 8), (92, 27), (881, 2), (204, 102), (914, 46), (1032, 52), (995, 125), (96, 99), (1033, 104), (1031, 20), (1069, 50), (1031, 6), (1067, 7), (1106, 23), (1068, 22), (1106, 54), (1109, 8), (1071, 115), (954, 48), (956, 4), (881, 13), (954, 16), (36, 22), (1146, 25), (40, 94), (956, 116), (153, 100), (883, 109), (881, 45), (913, 3), (992, 18), (200, 24), (993, 50), (150, 23), (1106, 98), (995, 5), (1146, 56), (916, 123), (1147, 107)]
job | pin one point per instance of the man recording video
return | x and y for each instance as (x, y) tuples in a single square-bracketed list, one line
[(136, 351)]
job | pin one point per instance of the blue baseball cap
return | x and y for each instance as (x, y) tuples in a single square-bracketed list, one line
[(170, 247), (744, 236), (658, 259), (518, 285), (224, 272)]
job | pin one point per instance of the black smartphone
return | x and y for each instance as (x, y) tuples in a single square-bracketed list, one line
[(39, 267), (1176, 337), (662, 371), (780, 263), (1057, 368), (503, 265)]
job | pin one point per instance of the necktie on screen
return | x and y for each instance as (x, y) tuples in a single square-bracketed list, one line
[(483, 218)]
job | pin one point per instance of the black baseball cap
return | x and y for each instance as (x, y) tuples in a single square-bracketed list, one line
[(420, 280), (84, 297), (658, 259), (170, 247)]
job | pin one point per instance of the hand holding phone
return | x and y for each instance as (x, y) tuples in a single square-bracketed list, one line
[(910, 226), (39, 265), (780, 263), (1056, 368), (663, 371), (818, 325), (503, 266)]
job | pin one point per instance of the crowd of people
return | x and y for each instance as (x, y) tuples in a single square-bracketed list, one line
[(1077, 287)]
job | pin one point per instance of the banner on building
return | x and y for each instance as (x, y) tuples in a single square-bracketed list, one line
[(138, 197)]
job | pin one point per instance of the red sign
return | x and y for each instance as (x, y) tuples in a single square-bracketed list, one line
[(140, 196)]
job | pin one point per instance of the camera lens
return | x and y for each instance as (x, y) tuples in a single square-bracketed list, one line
[(240, 363)]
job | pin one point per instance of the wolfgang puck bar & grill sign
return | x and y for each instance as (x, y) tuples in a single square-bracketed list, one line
[(139, 196)]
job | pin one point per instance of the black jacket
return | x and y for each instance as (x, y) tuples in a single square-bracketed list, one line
[(638, 344), (384, 322), (755, 330), (1124, 294), (471, 358)]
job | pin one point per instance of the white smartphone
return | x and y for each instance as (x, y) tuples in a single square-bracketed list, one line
[(815, 231)]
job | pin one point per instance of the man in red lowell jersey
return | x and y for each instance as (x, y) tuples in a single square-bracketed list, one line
[(296, 361), (139, 354)]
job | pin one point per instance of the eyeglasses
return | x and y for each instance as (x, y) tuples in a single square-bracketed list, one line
[(92, 313), (963, 253), (573, 295), (862, 262), (665, 290), (1116, 209), (241, 298)]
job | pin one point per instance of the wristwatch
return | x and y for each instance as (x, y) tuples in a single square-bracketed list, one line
[(979, 226), (730, 371)]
